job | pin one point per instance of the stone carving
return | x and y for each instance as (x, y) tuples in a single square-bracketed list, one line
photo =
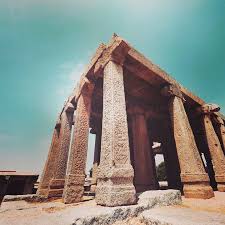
[(209, 108)]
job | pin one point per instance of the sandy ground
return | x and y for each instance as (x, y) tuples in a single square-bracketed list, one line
[(57, 213)]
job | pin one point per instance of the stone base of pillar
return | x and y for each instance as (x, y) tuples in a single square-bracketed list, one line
[(56, 187), (198, 190), (196, 186), (115, 187), (220, 183), (114, 195), (74, 188), (221, 187), (43, 192)]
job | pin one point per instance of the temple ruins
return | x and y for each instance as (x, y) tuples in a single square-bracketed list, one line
[(128, 103)]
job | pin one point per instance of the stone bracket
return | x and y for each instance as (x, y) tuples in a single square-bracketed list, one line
[(172, 90)]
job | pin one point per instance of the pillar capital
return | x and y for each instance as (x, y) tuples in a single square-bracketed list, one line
[(172, 90), (69, 107), (208, 108)]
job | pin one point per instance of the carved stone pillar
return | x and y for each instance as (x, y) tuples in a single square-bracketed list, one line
[(215, 149), (75, 175), (193, 175), (115, 173), (48, 171), (57, 183), (96, 161), (220, 129), (144, 176)]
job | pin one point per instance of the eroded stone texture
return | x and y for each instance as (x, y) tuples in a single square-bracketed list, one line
[(57, 183), (193, 175), (48, 171), (115, 173), (215, 149), (144, 176), (75, 175)]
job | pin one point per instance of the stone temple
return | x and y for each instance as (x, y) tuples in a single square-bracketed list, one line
[(129, 103)]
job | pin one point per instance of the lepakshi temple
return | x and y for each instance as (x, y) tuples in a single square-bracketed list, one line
[(128, 103)]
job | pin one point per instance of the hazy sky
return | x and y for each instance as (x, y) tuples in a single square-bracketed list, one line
[(45, 44)]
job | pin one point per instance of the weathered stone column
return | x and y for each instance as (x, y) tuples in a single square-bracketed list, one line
[(220, 129), (75, 174), (57, 183), (115, 173), (96, 160), (48, 171), (215, 149), (193, 175), (144, 176)]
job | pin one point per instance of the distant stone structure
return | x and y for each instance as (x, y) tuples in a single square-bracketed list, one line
[(129, 103), (16, 183)]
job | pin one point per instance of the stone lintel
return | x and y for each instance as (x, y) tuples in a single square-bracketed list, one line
[(154, 111)]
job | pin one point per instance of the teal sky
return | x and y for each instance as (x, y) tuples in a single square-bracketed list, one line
[(44, 45)]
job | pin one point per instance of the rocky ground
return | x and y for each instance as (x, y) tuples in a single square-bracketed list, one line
[(155, 207)]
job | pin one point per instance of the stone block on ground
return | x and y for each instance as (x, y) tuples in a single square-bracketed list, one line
[(28, 198), (146, 200), (180, 215)]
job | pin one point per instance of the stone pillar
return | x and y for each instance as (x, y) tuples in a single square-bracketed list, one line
[(193, 176), (47, 174), (170, 155), (115, 173), (57, 182), (75, 175), (220, 130), (144, 176), (215, 149), (96, 160)]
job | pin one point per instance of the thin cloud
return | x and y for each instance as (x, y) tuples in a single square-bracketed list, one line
[(71, 74)]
